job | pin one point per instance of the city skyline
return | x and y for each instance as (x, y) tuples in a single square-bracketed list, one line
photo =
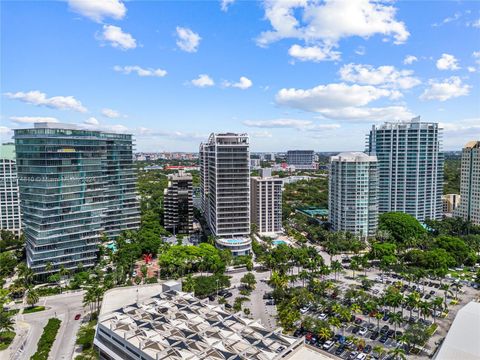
[(291, 77)]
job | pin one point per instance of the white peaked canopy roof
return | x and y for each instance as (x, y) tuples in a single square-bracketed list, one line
[(463, 339)]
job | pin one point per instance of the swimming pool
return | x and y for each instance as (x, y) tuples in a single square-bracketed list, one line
[(279, 242)]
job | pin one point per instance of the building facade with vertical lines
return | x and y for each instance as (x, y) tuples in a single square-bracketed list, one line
[(75, 185), (10, 215)]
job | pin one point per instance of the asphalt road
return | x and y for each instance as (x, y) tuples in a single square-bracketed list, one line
[(29, 328)]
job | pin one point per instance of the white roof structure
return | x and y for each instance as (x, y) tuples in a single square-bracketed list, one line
[(176, 325), (353, 156), (463, 339)]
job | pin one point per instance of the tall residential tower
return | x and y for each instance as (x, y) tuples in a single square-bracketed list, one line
[(178, 204), (353, 191), (75, 185), (469, 207), (225, 186), (10, 218), (410, 167)]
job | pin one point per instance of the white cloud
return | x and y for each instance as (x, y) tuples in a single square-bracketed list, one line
[(447, 62), (476, 23), (409, 59), (112, 114), (243, 83), (324, 24), (383, 75), (261, 134), (97, 10), (476, 56), (278, 123), (140, 71), (57, 102), (449, 19), (33, 119), (92, 121), (313, 53), (5, 130), (117, 38), (360, 50), (471, 69), (187, 40), (449, 88), (330, 96), (344, 102), (224, 4), (203, 80), (301, 125), (377, 114)]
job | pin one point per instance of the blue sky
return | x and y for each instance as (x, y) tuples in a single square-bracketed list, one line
[(297, 74)]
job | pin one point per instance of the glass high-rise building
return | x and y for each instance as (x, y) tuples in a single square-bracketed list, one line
[(469, 207), (410, 167), (10, 216), (353, 193), (75, 185)]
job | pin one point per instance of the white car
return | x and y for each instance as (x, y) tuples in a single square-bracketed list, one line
[(328, 345), (304, 310), (362, 331), (322, 316), (361, 356)]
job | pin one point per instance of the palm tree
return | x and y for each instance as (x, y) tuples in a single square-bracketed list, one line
[(335, 323), (396, 319), (356, 309), (336, 267), (6, 323), (457, 287), (324, 333), (446, 292), (304, 275), (398, 353), (32, 297), (379, 317), (425, 309), (26, 274), (412, 301), (436, 304), (379, 350)]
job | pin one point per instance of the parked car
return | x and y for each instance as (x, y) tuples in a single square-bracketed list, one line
[(328, 345), (367, 349), (352, 355), (358, 321), (211, 297), (304, 310), (228, 306), (362, 331), (384, 329), (322, 316), (340, 350), (383, 339), (227, 295), (78, 316), (361, 356), (356, 329), (370, 326), (375, 335)]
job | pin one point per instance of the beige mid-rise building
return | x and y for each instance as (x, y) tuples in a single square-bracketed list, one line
[(469, 208)]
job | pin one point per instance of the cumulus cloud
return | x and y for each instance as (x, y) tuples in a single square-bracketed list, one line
[(33, 119), (187, 40), (301, 125), (409, 59), (243, 83), (313, 53), (97, 10), (330, 96), (224, 4), (40, 99), (118, 39), (324, 24), (261, 134), (343, 102), (112, 114), (476, 56), (140, 71), (447, 62), (203, 80), (449, 88), (383, 75), (5, 130), (92, 121)]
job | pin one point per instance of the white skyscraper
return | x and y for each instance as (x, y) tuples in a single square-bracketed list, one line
[(225, 186), (10, 218), (266, 201), (353, 191), (410, 167), (469, 207)]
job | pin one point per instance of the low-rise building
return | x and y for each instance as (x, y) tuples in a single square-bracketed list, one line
[(176, 325)]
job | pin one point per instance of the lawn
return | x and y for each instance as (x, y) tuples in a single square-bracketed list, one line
[(33, 309), (6, 338)]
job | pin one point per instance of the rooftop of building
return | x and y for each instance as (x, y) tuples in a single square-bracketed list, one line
[(461, 341), (472, 144), (354, 156), (176, 325)]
